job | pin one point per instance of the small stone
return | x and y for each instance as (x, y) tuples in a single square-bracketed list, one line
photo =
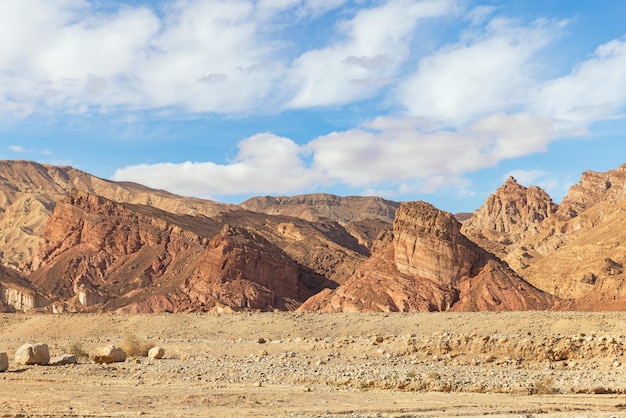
[(4, 361), (261, 340), (156, 353), (63, 359)]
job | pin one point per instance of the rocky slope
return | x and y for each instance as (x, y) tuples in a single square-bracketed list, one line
[(17, 293), (72, 242), (312, 207), (508, 216), (574, 251), (428, 265), (100, 255), (29, 192)]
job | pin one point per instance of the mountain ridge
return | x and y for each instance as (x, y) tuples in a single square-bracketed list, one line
[(70, 241)]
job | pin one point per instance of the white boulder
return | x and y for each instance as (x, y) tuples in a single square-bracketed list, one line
[(108, 354), (33, 354), (156, 353)]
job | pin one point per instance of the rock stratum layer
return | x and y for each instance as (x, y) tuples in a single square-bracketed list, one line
[(70, 241), (428, 265)]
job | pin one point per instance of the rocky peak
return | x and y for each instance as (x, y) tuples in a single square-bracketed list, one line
[(429, 265), (428, 243), (593, 188), (513, 208)]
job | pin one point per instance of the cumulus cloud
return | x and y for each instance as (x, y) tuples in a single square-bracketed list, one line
[(375, 44), (594, 90), (399, 154), (215, 56), (487, 71), (265, 163)]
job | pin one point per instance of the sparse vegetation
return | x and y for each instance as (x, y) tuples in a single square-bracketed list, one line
[(136, 347), (78, 350)]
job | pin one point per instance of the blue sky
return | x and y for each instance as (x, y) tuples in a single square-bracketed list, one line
[(438, 100)]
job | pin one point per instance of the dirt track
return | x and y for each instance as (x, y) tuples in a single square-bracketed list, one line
[(322, 365)]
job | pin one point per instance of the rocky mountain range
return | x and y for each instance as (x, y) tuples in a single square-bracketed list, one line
[(71, 242)]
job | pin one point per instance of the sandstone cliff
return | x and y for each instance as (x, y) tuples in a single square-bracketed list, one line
[(428, 265), (574, 251), (592, 189), (17, 293)]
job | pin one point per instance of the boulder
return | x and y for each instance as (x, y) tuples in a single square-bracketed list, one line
[(33, 354), (108, 354), (4, 361), (63, 359), (156, 353)]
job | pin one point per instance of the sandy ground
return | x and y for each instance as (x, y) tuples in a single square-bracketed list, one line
[(323, 365)]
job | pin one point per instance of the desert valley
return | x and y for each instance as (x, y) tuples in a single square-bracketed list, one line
[(312, 305)]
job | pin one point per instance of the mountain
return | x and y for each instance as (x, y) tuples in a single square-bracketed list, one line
[(70, 241), (99, 255), (29, 192), (312, 207), (428, 265), (507, 217), (575, 251)]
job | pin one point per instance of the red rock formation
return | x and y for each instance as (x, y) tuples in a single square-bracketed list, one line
[(242, 270), (592, 189), (96, 254), (513, 208), (430, 266), (312, 207), (17, 293)]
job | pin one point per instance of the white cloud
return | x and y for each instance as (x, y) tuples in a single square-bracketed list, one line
[(375, 45), (594, 90), (16, 148), (200, 56), (398, 154), (265, 163), (489, 70), (363, 157)]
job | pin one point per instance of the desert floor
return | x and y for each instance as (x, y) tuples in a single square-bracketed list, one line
[(557, 364)]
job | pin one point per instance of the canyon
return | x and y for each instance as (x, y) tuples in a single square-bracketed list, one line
[(71, 242)]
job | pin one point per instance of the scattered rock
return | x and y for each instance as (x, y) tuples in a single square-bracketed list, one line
[(156, 353), (4, 361), (108, 354), (63, 359), (29, 354)]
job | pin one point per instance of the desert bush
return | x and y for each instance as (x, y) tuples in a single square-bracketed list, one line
[(135, 347), (78, 350)]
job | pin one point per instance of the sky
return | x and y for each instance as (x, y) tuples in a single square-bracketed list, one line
[(435, 100)]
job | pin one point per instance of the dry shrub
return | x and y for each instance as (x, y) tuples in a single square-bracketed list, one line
[(135, 347), (78, 350)]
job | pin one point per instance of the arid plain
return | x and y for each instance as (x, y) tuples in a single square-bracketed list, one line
[(561, 364)]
